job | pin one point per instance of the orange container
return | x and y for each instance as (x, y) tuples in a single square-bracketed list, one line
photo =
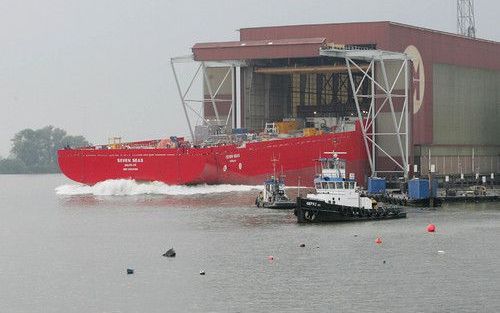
[(310, 132), (286, 126)]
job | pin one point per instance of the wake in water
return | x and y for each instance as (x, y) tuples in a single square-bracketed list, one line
[(126, 187)]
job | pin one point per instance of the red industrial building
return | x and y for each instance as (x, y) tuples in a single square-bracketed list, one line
[(454, 100)]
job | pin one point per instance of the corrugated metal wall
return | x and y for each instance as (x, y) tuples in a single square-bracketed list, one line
[(459, 159), (466, 105), (267, 98)]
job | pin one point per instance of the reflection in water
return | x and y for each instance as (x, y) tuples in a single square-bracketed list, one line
[(237, 209)]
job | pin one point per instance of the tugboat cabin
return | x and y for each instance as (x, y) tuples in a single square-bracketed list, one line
[(332, 176), (273, 187)]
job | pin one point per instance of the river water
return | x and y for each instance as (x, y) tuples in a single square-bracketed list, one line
[(66, 248)]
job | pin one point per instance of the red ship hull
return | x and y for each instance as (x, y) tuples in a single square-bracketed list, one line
[(229, 164)]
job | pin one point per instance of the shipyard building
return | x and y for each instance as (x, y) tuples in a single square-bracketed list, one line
[(279, 73)]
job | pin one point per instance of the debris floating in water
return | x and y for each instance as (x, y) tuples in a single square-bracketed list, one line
[(378, 240), (270, 258), (130, 271), (355, 235), (440, 251), (431, 228), (202, 272), (302, 245), (384, 262), (170, 253)]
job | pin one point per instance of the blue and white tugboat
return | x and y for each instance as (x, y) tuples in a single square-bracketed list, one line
[(338, 199), (274, 195)]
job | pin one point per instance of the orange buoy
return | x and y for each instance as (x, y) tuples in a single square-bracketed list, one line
[(270, 258), (431, 228), (378, 240)]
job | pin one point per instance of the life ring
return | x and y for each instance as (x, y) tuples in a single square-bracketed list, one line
[(309, 215)]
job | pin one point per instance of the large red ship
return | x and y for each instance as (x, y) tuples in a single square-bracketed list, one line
[(244, 162)]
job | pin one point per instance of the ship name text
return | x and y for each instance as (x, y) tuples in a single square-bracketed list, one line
[(134, 160)]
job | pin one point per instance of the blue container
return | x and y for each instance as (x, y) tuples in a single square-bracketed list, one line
[(240, 131), (376, 185), (419, 188), (434, 188)]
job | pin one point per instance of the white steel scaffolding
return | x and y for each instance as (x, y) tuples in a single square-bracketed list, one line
[(187, 103), (382, 93)]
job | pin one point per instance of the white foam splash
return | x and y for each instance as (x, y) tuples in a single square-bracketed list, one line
[(126, 187)]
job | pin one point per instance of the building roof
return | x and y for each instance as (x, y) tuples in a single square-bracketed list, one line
[(279, 30), (258, 49), (294, 41)]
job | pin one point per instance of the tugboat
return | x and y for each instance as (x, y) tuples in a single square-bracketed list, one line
[(337, 198), (274, 195)]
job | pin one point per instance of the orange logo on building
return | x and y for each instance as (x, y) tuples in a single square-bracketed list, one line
[(418, 79)]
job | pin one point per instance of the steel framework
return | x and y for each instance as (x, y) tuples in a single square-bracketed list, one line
[(187, 103), (466, 24), (356, 60), (359, 63)]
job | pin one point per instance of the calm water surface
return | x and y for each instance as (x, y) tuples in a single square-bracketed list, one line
[(61, 253)]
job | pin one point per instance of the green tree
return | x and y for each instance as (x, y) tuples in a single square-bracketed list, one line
[(12, 166), (37, 149)]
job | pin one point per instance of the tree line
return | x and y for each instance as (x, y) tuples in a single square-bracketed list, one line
[(35, 151)]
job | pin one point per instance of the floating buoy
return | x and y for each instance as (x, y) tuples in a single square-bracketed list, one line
[(302, 245), (202, 272), (270, 258), (130, 271), (431, 228), (170, 253), (378, 240)]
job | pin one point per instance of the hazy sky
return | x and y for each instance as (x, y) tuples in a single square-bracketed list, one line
[(100, 68)]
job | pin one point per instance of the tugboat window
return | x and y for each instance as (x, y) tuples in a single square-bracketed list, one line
[(346, 185), (318, 186), (324, 185), (339, 185), (331, 185)]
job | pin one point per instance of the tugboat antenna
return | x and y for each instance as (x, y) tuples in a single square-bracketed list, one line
[(274, 160)]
